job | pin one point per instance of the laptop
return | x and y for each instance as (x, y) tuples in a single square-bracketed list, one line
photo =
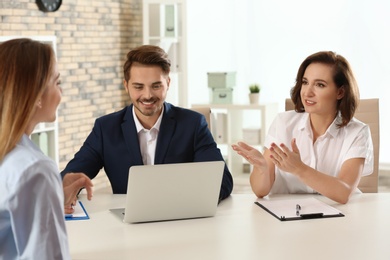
[(172, 191)]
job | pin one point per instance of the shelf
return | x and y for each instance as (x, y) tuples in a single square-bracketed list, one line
[(44, 129), (164, 23), (47, 140), (162, 39), (227, 124), (238, 106)]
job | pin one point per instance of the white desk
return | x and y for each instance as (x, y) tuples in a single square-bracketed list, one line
[(240, 230)]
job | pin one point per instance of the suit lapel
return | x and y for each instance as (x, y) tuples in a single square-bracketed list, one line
[(129, 132), (167, 127)]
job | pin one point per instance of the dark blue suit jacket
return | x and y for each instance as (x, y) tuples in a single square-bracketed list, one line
[(113, 144)]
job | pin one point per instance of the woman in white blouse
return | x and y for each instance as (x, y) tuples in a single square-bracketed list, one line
[(32, 224), (320, 147)]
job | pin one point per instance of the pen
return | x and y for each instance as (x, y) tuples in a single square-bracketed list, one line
[(298, 208)]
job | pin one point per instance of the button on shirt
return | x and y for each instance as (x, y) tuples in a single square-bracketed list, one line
[(147, 139), (326, 155)]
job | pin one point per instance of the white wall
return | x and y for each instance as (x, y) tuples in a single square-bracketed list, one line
[(265, 42)]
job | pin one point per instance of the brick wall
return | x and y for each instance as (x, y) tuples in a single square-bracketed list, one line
[(93, 37)]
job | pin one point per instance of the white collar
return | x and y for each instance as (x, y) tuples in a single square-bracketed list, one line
[(140, 127), (333, 129)]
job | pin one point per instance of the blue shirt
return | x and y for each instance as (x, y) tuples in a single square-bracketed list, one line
[(32, 224)]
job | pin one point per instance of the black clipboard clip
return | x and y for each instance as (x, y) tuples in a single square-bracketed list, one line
[(298, 215), (304, 216), (312, 215)]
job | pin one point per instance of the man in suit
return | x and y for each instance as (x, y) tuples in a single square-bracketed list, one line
[(149, 131)]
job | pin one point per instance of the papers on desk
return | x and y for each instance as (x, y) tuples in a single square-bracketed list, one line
[(297, 209), (79, 213)]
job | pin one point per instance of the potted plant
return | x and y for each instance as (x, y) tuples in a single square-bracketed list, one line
[(254, 94)]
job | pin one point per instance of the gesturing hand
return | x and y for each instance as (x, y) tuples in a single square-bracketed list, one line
[(286, 160), (252, 155)]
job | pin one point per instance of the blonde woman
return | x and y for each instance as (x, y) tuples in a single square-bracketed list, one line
[(31, 193)]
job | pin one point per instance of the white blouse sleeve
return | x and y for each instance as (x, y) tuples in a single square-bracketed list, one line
[(362, 147)]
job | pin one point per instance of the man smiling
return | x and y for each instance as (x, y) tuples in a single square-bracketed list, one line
[(149, 131)]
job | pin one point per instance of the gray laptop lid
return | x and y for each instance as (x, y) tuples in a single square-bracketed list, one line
[(173, 191)]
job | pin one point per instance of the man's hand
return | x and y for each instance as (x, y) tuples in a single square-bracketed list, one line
[(72, 184)]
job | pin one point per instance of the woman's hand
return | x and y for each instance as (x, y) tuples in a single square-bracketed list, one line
[(252, 155), (286, 160)]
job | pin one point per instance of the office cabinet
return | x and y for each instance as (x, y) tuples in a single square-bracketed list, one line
[(232, 123), (163, 25), (45, 135)]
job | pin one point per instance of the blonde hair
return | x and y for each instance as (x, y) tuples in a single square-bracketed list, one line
[(25, 69)]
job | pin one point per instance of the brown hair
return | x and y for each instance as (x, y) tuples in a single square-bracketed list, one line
[(147, 55), (25, 69), (342, 77)]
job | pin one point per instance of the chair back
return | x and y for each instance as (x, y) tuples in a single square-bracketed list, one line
[(368, 113), (206, 111)]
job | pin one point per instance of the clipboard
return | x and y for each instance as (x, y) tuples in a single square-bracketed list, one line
[(79, 213), (298, 209)]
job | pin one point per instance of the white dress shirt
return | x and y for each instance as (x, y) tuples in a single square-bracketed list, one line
[(147, 138), (326, 155), (32, 223)]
